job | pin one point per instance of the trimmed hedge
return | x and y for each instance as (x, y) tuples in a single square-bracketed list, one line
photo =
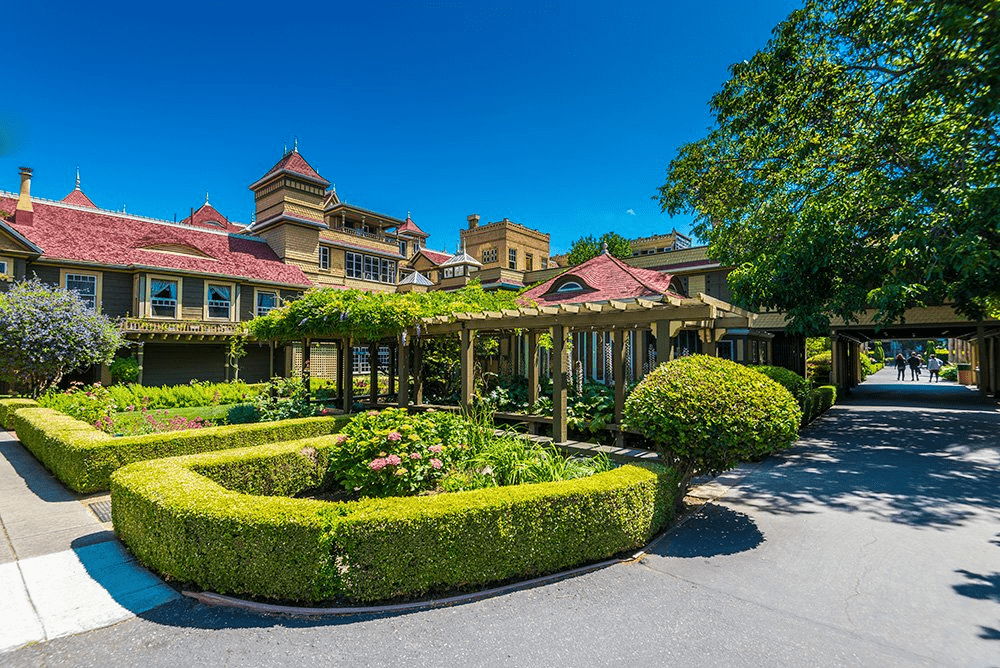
[(798, 386), (84, 458), (820, 400), (213, 520), (7, 408)]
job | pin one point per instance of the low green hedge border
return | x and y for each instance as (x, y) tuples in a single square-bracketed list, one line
[(7, 408), (84, 458), (820, 400), (214, 520)]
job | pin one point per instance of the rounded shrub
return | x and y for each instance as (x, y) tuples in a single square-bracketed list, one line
[(705, 414), (788, 379)]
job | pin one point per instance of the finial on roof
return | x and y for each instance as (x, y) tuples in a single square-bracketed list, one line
[(407, 215), (123, 208), (284, 151), (206, 197), (296, 149), (77, 178), (334, 188), (604, 248)]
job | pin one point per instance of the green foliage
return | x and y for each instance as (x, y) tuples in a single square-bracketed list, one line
[(820, 400), (588, 247), (816, 345), (124, 370), (216, 520), (705, 414), (798, 386), (134, 423), (7, 408), (90, 404), (854, 163), (878, 352), (369, 316), (394, 453), (283, 399), (84, 458), (949, 372), (182, 396), (47, 332), (243, 414), (818, 368), (867, 366), (587, 413)]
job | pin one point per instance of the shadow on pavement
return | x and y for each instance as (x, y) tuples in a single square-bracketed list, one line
[(38, 479), (713, 531)]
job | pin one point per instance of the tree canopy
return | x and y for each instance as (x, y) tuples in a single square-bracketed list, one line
[(47, 332), (587, 247), (369, 316), (854, 163)]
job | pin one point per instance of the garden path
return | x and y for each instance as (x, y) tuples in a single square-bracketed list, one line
[(874, 541)]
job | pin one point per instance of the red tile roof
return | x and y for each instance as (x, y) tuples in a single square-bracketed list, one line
[(294, 162), (102, 237), (603, 277), (208, 217), (411, 227), (437, 257), (77, 197)]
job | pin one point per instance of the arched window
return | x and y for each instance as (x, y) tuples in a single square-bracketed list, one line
[(571, 286)]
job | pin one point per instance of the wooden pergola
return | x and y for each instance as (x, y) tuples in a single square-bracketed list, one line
[(664, 315)]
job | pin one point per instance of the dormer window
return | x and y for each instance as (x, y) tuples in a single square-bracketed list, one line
[(571, 286)]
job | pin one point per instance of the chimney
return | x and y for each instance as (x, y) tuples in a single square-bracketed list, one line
[(24, 213), (473, 221)]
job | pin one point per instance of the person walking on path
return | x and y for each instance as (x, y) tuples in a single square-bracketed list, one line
[(900, 367), (933, 366), (914, 363)]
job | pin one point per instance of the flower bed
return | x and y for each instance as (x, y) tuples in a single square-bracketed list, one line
[(224, 521), (84, 458)]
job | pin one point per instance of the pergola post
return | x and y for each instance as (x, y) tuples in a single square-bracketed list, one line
[(373, 373), (835, 360), (141, 354), (418, 372), (532, 368), (618, 359), (638, 354), (468, 362), (709, 342), (559, 433), (393, 369), (306, 359), (270, 360), (348, 378), (665, 331), (403, 366)]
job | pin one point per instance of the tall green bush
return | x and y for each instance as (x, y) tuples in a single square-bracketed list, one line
[(798, 386), (705, 414)]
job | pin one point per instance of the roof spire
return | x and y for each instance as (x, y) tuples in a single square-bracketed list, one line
[(284, 151), (296, 149), (206, 197), (78, 178), (604, 248)]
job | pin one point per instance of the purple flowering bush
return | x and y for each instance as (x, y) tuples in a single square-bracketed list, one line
[(47, 332), (393, 453)]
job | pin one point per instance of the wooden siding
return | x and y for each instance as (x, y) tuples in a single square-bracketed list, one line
[(116, 294), (180, 363), (193, 298), (45, 273)]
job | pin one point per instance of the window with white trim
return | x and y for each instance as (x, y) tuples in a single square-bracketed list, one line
[(369, 267), (85, 285), (448, 272), (267, 301), (489, 255), (512, 258), (6, 268), (324, 257), (545, 263), (163, 298), (219, 300), (402, 249)]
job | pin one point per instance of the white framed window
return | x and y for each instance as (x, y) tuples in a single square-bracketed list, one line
[(369, 267), (448, 272), (219, 301), (86, 285), (512, 258), (265, 301), (164, 297), (489, 255), (571, 286), (324, 257), (6, 267), (545, 263), (354, 265), (402, 249)]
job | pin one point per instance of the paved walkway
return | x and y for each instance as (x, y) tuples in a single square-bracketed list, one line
[(874, 542), (61, 569)]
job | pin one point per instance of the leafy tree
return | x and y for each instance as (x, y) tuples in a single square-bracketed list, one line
[(47, 332), (855, 163), (588, 247)]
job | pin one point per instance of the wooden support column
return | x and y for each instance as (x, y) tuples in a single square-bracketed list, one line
[(618, 361), (418, 372), (467, 359), (373, 373), (665, 331), (708, 341), (393, 368), (348, 378), (639, 354), (403, 372), (532, 367), (983, 355), (270, 360), (306, 361), (835, 364), (770, 351), (141, 355), (559, 377)]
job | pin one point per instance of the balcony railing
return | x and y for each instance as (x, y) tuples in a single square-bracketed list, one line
[(193, 327), (363, 234)]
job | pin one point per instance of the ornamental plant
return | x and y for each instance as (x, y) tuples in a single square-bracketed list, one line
[(47, 332), (393, 453), (92, 404), (705, 414), (798, 386)]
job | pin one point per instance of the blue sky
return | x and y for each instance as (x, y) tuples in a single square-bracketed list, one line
[(561, 116)]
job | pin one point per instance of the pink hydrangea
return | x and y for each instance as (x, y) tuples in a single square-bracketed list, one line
[(393, 460), (415, 455), (377, 464), (339, 438), (436, 449), (436, 463), (394, 436)]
